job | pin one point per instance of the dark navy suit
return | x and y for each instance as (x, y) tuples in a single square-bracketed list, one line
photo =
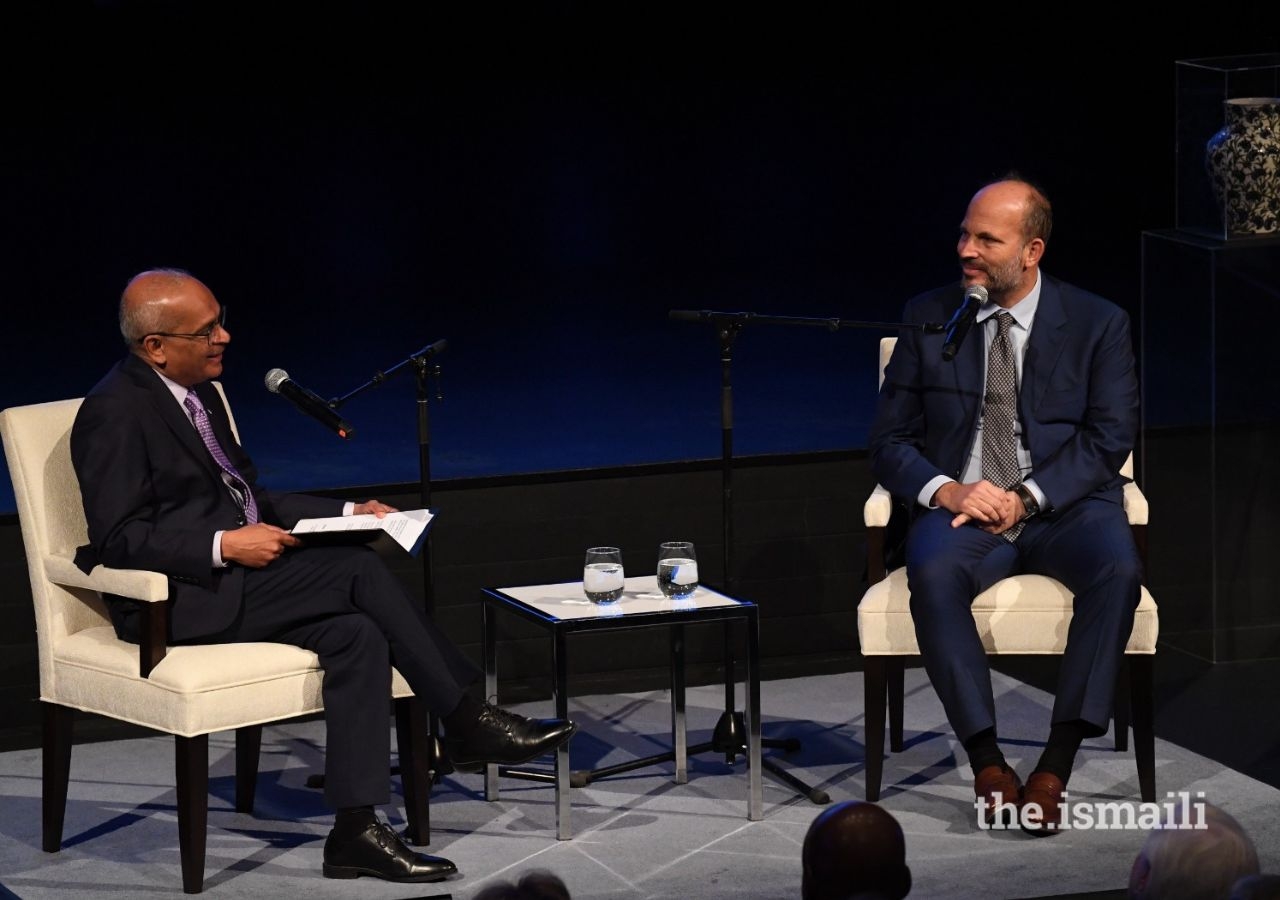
[(154, 498), (1078, 405)]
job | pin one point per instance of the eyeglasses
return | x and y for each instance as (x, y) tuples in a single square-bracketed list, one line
[(204, 334)]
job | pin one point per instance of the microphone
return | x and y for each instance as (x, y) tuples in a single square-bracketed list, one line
[(974, 296), (278, 382)]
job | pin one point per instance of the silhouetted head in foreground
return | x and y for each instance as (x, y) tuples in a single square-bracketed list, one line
[(538, 884), (855, 849), (1195, 855)]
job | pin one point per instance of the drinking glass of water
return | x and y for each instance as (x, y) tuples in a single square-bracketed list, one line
[(602, 577), (677, 569)]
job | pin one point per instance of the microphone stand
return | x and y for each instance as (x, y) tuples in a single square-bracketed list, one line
[(729, 736), (424, 367)]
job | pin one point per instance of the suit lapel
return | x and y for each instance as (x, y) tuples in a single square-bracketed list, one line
[(1048, 337), (221, 425), (966, 373), (168, 411)]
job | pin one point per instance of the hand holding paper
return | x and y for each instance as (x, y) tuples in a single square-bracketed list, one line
[(406, 527)]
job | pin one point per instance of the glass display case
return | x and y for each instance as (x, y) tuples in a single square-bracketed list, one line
[(1203, 87), (1210, 433)]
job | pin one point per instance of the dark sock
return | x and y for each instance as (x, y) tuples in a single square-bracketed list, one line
[(983, 750), (1060, 751), (353, 820), (463, 717)]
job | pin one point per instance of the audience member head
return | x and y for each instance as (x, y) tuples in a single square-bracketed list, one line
[(1256, 887), (1196, 859), (855, 849), (538, 884)]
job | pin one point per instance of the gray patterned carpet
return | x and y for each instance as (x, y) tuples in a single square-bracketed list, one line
[(636, 835)]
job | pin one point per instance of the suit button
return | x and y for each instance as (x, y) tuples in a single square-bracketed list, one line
[(240, 520)]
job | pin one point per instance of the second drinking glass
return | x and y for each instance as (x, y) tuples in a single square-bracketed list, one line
[(677, 569)]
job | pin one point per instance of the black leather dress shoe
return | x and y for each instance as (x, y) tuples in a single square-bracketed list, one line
[(506, 738), (381, 853)]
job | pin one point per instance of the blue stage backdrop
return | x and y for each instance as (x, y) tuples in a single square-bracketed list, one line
[(545, 230)]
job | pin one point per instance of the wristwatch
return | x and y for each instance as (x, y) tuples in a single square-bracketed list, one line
[(1029, 502)]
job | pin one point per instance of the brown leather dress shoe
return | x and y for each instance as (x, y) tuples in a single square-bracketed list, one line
[(1042, 804), (998, 790)]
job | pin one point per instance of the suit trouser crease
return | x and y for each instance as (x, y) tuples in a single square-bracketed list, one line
[(1089, 548), (343, 604)]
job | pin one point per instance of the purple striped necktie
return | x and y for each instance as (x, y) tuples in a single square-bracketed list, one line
[(239, 487)]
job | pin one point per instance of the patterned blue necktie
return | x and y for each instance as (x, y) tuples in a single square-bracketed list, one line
[(239, 487)]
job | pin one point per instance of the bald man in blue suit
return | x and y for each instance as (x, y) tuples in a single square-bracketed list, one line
[(1076, 422)]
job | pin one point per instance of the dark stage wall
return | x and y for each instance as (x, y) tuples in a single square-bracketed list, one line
[(349, 214)]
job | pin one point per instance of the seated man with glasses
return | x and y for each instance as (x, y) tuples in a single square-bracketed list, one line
[(166, 487)]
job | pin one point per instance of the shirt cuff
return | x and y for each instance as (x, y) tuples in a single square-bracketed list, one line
[(217, 551), (931, 488), (348, 508), (1030, 484)]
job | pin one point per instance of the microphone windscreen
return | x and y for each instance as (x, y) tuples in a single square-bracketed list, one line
[(275, 378), (976, 292)]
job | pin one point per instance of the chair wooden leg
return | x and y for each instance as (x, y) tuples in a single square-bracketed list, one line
[(873, 706), (1144, 722), (412, 742), (58, 724), (895, 667), (191, 764), (1122, 710), (248, 750)]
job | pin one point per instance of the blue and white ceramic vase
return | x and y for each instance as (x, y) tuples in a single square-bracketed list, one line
[(1243, 162)]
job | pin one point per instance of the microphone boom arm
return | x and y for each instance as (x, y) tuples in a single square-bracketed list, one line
[(831, 324), (419, 359)]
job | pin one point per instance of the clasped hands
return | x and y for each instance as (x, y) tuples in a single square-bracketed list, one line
[(992, 509), (258, 545)]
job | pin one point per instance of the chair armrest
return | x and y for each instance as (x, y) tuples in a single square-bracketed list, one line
[(876, 512), (879, 506), (151, 588), (1135, 504), (877, 509), (136, 584)]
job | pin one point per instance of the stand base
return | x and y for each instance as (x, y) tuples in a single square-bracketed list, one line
[(729, 738)]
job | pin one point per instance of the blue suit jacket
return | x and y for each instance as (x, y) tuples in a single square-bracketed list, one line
[(153, 496), (1078, 400)]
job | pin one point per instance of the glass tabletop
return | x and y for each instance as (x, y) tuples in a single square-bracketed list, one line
[(640, 596)]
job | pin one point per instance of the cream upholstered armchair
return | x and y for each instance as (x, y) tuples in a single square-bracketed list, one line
[(1023, 614), (187, 691)]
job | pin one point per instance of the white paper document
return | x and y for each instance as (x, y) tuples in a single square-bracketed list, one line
[(406, 527)]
